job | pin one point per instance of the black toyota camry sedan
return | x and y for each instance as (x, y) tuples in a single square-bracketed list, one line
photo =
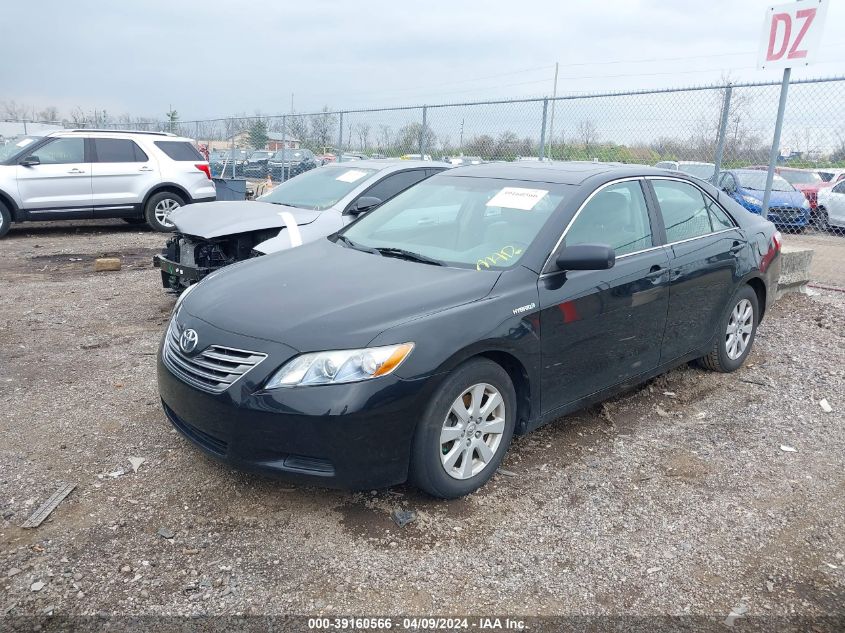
[(482, 302)]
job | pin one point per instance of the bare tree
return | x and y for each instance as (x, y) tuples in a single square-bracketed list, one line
[(385, 138), (362, 131), (322, 128), (50, 113), (587, 133)]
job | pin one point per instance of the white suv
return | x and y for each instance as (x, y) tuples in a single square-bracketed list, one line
[(84, 174)]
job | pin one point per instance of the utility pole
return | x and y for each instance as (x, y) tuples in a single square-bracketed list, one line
[(461, 143), (552, 122), (291, 103)]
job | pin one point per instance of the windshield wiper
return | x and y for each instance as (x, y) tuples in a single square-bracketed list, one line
[(401, 253), (355, 245)]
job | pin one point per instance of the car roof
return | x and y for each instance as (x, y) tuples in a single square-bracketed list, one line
[(386, 163), (156, 136), (694, 162), (566, 173)]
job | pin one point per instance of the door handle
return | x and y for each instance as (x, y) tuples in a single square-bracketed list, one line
[(426, 221), (145, 168), (655, 272), (737, 246), (76, 171)]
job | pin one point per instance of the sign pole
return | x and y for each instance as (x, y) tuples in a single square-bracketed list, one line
[(773, 155)]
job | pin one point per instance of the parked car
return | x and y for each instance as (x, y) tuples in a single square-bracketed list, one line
[(415, 157), (463, 161), (299, 210), (788, 207), (287, 163), (350, 156), (807, 181), (396, 349), (830, 213), (83, 174), (256, 164), (228, 163), (832, 175), (703, 171)]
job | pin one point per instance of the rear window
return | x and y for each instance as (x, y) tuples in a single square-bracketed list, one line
[(180, 150)]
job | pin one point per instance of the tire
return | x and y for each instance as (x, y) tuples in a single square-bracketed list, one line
[(821, 220), (724, 357), (431, 457), (5, 220), (156, 210), (134, 220)]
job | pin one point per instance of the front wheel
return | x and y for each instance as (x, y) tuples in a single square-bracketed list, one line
[(158, 210), (735, 334), (5, 220), (465, 431)]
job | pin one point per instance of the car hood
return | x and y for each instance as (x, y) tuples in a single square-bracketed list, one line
[(325, 296), (213, 219), (777, 198)]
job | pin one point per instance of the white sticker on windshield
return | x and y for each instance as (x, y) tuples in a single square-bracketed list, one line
[(517, 198), (24, 142), (351, 175)]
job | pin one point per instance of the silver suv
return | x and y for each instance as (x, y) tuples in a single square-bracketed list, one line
[(85, 174)]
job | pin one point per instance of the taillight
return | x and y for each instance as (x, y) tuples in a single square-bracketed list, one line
[(204, 168), (777, 238)]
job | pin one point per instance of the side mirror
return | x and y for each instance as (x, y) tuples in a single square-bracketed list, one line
[(364, 204), (30, 161), (586, 257)]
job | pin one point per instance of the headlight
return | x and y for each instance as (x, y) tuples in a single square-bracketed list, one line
[(752, 200), (182, 297), (348, 365)]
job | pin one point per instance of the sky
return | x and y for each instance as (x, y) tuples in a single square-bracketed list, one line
[(208, 59)]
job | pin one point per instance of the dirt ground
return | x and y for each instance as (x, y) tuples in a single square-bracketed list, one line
[(698, 493)]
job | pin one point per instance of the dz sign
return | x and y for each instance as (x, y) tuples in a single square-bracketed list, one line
[(791, 34)]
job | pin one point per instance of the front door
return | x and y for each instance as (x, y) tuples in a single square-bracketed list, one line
[(706, 247), (601, 328), (121, 174), (60, 185)]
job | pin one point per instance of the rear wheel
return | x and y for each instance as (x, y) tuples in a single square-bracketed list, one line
[(466, 430), (158, 210), (735, 334), (5, 220), (821, 220)]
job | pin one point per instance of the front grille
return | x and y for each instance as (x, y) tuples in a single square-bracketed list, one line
[(207, 441), (214, 369)]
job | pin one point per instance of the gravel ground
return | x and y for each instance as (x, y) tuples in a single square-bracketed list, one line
[(682, 497)]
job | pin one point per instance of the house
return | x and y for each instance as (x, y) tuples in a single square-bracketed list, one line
[(275, 142)]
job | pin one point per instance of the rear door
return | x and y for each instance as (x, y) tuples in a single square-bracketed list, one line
[(60, 186), (600, 328), (122, 173), (706, 249)]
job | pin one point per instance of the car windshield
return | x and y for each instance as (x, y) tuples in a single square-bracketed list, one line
[(259, 155), (757, 180), (15, 147), (289, 154), (318, 189), (481, 223), (699, 170), (801, 177)]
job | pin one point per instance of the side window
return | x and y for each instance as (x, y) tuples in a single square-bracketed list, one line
[(62, 151), (616, 215), (719, 220), (840, 188), (118, 150), (394, 184), (685, 210)]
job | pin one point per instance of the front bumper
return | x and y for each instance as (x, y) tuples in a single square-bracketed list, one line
[(175, 274), (789, 217), (354, 436)]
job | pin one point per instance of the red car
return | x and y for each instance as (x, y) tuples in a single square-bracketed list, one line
[(806, 181)]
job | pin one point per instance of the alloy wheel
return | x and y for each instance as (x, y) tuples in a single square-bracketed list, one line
[(740, 327), (472, 431), (163, 210)]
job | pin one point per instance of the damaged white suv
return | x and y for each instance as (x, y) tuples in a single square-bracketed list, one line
[(91, 174)]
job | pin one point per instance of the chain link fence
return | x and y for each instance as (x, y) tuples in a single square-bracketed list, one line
[(719, 132)]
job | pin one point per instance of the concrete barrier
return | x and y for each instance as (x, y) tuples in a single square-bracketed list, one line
[(795, 269)]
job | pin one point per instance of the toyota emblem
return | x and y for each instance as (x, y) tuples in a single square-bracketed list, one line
[(188, 341)]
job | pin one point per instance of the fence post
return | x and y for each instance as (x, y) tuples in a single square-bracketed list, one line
[(543, 130), (723, 130), (284, 147), (340, 135), (773, 154), (422, 133)]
